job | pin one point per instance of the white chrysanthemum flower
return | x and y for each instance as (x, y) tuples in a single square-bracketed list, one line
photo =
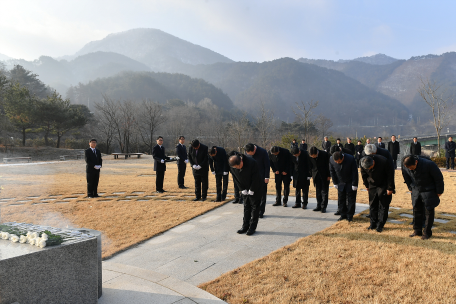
[(14, 238), (5, 235), (37, 241), (42, 243), (44, 236), (29, 234), (23, 239), (35, 235), (32, 241)]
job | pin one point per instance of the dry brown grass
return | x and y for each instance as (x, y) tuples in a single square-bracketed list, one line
[(347, 264), (123, 223)]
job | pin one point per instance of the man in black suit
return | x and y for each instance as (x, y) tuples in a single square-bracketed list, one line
[(293, 144), (415, 147), (181, 152), (321, 177), (450, 147), (326, 145), (376, 174), (262, 158), (337, 147), (160, 160), (349, 146), (238, 199), (280, 163), (247, 177), (93, 164), (425, 180), (218, 161), (198, 157), (394, 149), (359, 148), (379, 143), (373, 150), (303, 145), (301, 176)]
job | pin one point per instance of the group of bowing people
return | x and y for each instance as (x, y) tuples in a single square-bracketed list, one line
[(251, 171)]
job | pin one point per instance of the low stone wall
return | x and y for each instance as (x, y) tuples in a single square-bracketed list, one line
[(65, 273)]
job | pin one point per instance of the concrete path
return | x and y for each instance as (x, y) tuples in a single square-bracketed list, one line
[(207, 246)]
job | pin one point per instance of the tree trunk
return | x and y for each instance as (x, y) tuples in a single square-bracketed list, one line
[(59, 135), (23, 137), (438, 143)]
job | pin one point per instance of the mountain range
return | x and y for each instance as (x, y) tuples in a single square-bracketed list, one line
[(353, 90)]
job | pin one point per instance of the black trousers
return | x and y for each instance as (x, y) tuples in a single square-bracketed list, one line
[(448, 159), (285, 179), (322, 189), (221, 185), (92, 182), (251, 211), (264, 193), (420, 213), (395, 163), (201, 185), (237, 193), (159, 177), (181, 168), (378, 207), (346, 201), (304, 188)]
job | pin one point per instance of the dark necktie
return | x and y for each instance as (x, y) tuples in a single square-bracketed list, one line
[(94, 152)]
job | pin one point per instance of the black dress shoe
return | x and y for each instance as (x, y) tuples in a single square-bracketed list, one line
[(337, 213), (196, 199), (223, 198), (241, 231), (379, 229), (236, 201), (250, 232), (372, 227), (323, 210), (415, 233), (304, 206), (284, 204), (261, 216), (160, 191), (341, 218), (90, 196), (217, 200), (424, 237), (350, 218), (183, 187), (203, 199), (296, 206), (277, 204)]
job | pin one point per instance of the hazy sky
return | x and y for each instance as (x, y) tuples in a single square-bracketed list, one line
[(243, 30)]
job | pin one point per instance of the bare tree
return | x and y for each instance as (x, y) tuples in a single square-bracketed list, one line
[(239, 131), (150, 117), (440, 104), (323, 124), (109, 117), (265, 125), (128, 120), (304, 113)]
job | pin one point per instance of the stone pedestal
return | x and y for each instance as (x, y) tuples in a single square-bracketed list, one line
[(67, 273)]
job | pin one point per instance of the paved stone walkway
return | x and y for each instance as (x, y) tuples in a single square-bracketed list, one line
[(204, 248)]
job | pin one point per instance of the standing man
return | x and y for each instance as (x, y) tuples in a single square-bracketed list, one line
[(326, 145), (198, 157), (293, 144), (261, 156), (247, 177), (350, 146), (93, 164), (218, 161), (415, 147), (376, 174), (450, 147), (280, 162), (358, 152), (303, 145), (337, 147), (181, 152), (379, 143), (302, 174), (344, 174), (425, 180), (321, 177), (394, 150), (160, 159)]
